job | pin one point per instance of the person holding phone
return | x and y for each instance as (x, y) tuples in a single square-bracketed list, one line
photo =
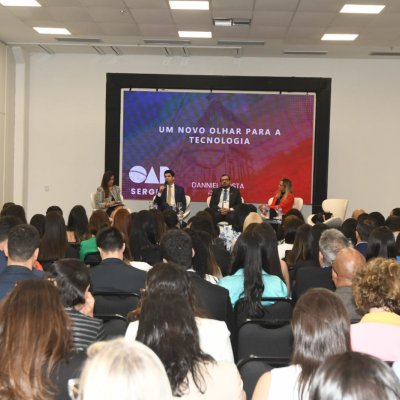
[(169, 194)]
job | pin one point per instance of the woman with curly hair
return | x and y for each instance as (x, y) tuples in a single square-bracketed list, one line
[(376, 291)]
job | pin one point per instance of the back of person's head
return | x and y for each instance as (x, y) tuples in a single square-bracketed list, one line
[(377, 285), (176, 246), (290, 226), (54, 209), (54, 241), (145, 233), (321, 328), (395, 211), (381, 243), (252, 218), (202, 222), (170, 218), (6, 224), (78, 221), (302, 246), (35, 336), (330, 243), (354, 376), (240, 214), (97, 221), (110, 239), (297, 213), (167, 325), (393, 223), (131, 370), (39, 222), (348, 261), (72, 278), (378, 217), (348, 229), (23, 240), (5, 206), (15, 210), (365, 225), (213, 220)]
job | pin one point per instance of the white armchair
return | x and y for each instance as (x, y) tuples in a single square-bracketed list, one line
[(337, 207)]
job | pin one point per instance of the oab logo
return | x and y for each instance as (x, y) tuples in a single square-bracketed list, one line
[(138, 174)]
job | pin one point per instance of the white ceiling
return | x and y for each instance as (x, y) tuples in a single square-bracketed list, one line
[(126, 26)]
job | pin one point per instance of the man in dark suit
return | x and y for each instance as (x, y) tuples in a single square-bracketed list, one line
[(224, 200), (176, 247), (169, 194), (112, 274)]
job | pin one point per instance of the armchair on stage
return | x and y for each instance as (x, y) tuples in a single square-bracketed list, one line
[(337, 207)]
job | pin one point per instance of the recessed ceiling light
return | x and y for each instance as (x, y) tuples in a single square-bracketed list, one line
[(362, 8), (195, 34), (189, 5), (340, 36), (52, 31), (20, 3)]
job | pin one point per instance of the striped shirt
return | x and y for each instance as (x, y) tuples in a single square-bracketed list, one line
[(85, 330)]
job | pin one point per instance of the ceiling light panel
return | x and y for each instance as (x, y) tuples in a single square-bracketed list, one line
[(189, 5), (20, 3), (340, 36), (195, 34), (51, 31), (362, 8)]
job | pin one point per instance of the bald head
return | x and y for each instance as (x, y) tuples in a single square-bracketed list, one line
[(357, 212), (348, 261)]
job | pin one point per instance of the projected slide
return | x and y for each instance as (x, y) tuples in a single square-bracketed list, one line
[(255, 138)]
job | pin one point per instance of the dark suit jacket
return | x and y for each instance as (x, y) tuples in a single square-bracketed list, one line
[(112, 274), (179, 197), (234, 198), (213, 300)]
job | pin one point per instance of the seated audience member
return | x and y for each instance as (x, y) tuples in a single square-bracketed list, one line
[(78, 225), (252, 218), (224, 200), (250, 279), (330, 243), (54, 244), (289, 229), (376, 292), (72, 279), (354, 376), (171, 219), (97, 221), (348, 261), (54, 209), (37, 357), (321, 328), (393, 223), (5, 206), (177, 247), (378, 217), (169, 279), (316, 231), (395, 211), (6, 223), (296, 213), (357, 212), (348, 229), (39, 222), (15, 211), (381, 243), (144, 238), (203, 259), (123, 222), (365, 225), (167, 325), (127, 370), (112, 274), (22, 249)]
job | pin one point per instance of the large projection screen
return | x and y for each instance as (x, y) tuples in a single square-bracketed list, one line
[(256, 129)]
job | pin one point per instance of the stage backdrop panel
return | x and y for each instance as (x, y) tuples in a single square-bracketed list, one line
[(256, 138)]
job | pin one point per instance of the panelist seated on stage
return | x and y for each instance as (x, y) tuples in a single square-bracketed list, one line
[(169, 194), (283, 198), (108, 195), (224, 200)]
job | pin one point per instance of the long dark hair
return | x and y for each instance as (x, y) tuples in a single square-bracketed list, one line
[(321, 328), (104, 182), (167, 325), (35, 335), (78, 222), (302, 247), (381, 243), (53, 244)]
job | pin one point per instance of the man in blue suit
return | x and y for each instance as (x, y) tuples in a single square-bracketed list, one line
[(169, 194)]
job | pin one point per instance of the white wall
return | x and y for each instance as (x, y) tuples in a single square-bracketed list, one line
[(67, 121), (7, 83)]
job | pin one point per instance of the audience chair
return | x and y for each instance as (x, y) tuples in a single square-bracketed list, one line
[(93, 198), (115, 325), (337, 207), (253, 367), (46, 263), (92, 259), (265, 339), (122, 303)]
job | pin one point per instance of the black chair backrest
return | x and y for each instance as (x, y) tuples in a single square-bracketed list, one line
[(46, 263), (265, 339), (115, 303), (250, 370), (92, 259), (115, 325)]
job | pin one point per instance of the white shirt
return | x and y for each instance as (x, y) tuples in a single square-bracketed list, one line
[(213, 334), (221, 199)]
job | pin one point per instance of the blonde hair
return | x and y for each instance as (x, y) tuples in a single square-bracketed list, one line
[(123, 370), (252, 218)]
